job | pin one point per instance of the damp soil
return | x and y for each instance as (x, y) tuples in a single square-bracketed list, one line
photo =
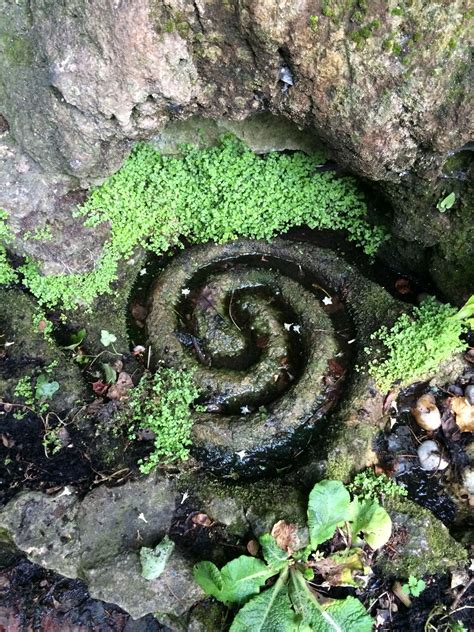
[(32, 598)]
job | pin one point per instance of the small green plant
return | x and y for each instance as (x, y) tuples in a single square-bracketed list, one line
[(313, 21), (7, 273), (214, 194), (418, 343), (43, 325), (446, 203), (414, 587), (368, 486), (289, 603), (161, 403)]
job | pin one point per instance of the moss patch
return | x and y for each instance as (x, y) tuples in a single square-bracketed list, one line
[(214, 194)]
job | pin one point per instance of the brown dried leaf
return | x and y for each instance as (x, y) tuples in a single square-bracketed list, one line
[(99, 387), (464, 413), (403, 286), (286, 536), (120, 389), (253, 547), (41, 326), (202, 519)]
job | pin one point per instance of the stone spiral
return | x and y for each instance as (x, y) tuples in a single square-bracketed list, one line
[(268, 355)]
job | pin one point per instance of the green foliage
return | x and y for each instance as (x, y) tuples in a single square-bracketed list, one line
[(106, 338), (328, 506), (414, 587), (153, 561), (42, 324), (446, 203), (289, 605), (416, 344), (371, 519), (216, 194), (368, 486), (466, 313), (160, 403), (236, 581), (313, 21), (7, 273)]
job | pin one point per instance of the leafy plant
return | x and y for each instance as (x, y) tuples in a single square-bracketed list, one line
[(369, 486), (106, 338), (414, 587), (153, 561), (161, 403), (217, 194), (7, 273), (289, 603), (417, 343), (466, 313), (446, 203)]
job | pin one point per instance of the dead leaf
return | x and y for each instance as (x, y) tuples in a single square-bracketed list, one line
[(403, 286), (469, 355), (286, 536), (464, 413), (99, 387), (138, 350), (41, 326), (7, 407), (202, 519), (7, 441), (339, 569), (120, 389), (117, 365), (139, 313), (252, 547)]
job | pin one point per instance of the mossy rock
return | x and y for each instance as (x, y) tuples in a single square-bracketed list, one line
[(423, 545), (28, 352), (249, 319)]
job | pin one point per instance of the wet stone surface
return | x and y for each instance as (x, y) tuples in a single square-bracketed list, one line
[(266, 328)]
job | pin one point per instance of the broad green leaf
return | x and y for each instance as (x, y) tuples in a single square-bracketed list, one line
[(45, 389), (208, 576), (328, 506), (110, 374), (106, 338), (153, 561), (236, 581), (345, 615), (446, 203), (274, 556), (466, 311), (372, 520), (268, 612), (76, 339)]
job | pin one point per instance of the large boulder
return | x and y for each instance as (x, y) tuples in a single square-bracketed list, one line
[(383, 85)]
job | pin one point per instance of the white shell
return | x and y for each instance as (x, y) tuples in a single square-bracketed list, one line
[(430, 457)]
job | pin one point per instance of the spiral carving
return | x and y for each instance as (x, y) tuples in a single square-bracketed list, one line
[(269, 355)]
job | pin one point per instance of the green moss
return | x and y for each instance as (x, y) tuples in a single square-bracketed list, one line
[(7, 273), (416, 345), (387, 44), (428, 549), (397, 11), (216, 194), (17, 49)]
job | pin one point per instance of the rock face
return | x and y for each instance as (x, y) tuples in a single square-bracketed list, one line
[(384, 86), (98, 540)]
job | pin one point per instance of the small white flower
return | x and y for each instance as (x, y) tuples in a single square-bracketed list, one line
[(327, 300), (297, 328), (288, 326), (245, 410), (184, 498), (242, 454), (143, 272), (185, 291), (142, 517)]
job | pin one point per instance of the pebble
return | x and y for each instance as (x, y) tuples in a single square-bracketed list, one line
[(430, 457), (469, 394)]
